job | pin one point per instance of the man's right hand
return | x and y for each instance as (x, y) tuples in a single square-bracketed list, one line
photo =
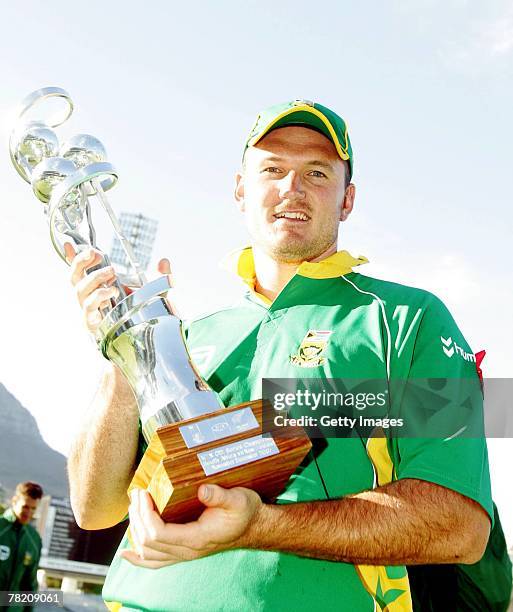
[(94, 290)]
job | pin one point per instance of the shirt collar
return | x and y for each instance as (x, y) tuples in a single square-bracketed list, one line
[(9, 515), (242, 263)]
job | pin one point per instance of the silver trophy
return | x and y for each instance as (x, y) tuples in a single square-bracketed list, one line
[(71, 179), (142, 335)]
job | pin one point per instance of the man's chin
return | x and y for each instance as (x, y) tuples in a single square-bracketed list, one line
[(296, 251)]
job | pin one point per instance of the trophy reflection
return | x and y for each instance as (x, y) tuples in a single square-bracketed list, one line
[(192, 438)]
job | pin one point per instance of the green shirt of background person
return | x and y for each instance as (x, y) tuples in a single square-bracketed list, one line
[(20, 543)]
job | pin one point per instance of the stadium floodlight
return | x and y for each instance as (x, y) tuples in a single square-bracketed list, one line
[(140, 231)]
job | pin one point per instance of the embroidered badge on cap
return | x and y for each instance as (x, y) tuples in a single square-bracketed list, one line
[(300, 102)]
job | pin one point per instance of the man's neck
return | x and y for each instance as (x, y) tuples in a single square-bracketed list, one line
[(272, 275)]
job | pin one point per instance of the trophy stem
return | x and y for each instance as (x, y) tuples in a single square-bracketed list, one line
[(84, 202), (117, 229)]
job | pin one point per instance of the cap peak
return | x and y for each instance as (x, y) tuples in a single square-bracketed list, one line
[(305, 113)]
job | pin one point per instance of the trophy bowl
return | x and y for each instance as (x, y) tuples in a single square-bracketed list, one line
[(83, 149), (48, 174), (30, 145)]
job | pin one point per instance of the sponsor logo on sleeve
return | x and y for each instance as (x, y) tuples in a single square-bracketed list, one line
[(5, 551), (450, 348)]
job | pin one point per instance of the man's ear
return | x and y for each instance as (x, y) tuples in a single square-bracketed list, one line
[(348, 203), (239, 191)]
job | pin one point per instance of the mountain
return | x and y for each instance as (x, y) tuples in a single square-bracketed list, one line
[(24, 455)]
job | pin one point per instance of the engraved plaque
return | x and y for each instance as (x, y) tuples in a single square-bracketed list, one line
[(237, 453), (219, 427)]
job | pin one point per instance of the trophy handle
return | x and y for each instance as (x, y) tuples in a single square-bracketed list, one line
[(36, 97)]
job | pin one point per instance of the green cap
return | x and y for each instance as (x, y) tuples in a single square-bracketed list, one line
[(309, 114)]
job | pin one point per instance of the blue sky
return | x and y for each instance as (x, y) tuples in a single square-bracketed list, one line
[(172, 90)]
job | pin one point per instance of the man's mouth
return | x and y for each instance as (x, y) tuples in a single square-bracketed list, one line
[(293, 215)]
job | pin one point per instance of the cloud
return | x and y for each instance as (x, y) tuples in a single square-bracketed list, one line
[(449, 275), (481, 43), (497, 37)]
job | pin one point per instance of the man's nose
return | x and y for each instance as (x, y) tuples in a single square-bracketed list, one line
[(291, 187)]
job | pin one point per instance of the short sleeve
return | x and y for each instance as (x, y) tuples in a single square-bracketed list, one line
[(442, 403)]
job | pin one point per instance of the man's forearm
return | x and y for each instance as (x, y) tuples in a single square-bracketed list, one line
[(405, 522), (102, 457)]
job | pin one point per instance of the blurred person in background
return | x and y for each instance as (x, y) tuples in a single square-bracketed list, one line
[(20, 543)]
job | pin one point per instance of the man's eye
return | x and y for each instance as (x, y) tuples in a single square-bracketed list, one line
[(317, 173), (272, 169)]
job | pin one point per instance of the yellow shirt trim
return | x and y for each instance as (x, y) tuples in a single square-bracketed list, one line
[(336, 265), (242, 263)]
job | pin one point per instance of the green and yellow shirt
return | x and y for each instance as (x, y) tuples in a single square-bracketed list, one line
[(20, 551), (379, 330)]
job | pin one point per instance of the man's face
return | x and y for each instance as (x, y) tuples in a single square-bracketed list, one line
[(24, 507), (293, 193)]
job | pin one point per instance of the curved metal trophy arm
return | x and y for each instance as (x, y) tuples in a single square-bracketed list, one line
[(140, 332), (61, 176), (31, 141)]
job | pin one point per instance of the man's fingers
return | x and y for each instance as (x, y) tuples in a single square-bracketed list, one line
[(164, 267), (94, 301), (94, 292), (93, 281), (146, 505), (153, 524), (69, 252), (135, 559), (82, 261), (237, 499), (140, 520), (153, 554), (136, 525), (168, 538), (147, 528), (215, 496)]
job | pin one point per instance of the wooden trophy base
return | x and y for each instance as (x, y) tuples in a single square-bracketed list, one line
[(225, 448)]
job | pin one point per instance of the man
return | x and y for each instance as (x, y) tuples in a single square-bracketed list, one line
[(359, 509), (20, 543)]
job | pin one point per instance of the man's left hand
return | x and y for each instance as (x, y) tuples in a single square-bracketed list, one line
[(223, 525)]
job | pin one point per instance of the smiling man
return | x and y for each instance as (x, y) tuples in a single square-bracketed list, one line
[(294, 192), (358, 509)]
